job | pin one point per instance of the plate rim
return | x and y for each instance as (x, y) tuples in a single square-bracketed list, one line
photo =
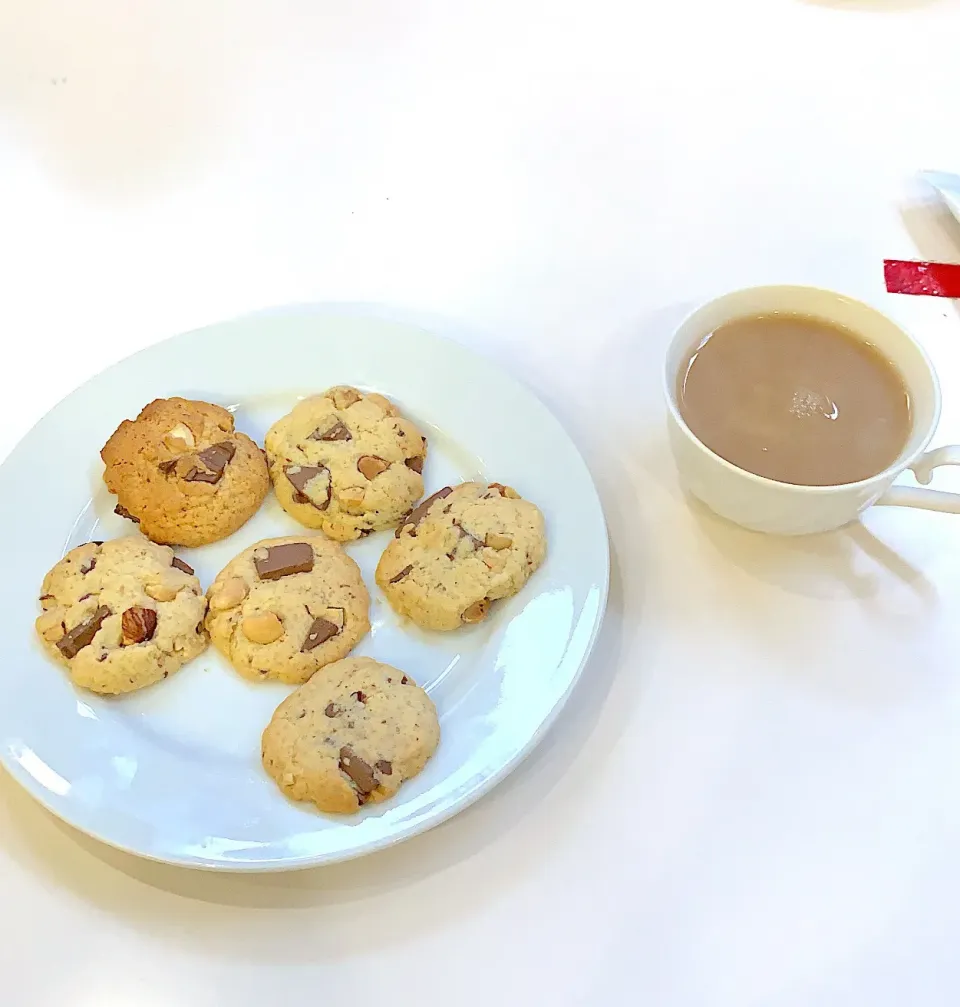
[(379, 314)]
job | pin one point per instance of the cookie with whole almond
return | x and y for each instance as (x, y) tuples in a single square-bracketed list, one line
[(461, 549), (121, 615), (285, 607), (350, 736), (346, 462), (183, 473)]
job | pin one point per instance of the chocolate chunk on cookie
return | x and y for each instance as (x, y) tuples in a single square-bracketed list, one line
[(458, 551), (311, 484), (122, 511), (284, 608), (215, 458), (120, 615), (276, 561), (360, 773), (319, 632), (350, 736), (183, 473), (338, 431), (346, 463), (410, 521), (82, 635)]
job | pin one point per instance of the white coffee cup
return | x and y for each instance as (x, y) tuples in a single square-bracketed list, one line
[(765, 505)]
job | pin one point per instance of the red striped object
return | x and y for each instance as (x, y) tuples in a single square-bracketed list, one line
[(935, 279)]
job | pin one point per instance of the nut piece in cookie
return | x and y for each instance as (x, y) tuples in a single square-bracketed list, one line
[(121, 615), (350, 736), (346, 462), (183, 473), (462, 548), (286, 607)]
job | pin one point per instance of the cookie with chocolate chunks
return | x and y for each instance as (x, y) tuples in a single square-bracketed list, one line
[(350, 736), (286, 607), (121, 615), (346, 463), (460, 550), (183, 473)]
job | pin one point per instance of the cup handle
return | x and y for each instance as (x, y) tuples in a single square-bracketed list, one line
[(923, 468)]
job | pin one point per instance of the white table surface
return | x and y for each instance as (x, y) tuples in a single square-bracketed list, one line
[(754, 796)]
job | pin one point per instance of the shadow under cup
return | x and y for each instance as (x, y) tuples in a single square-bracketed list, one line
[(781, 508)]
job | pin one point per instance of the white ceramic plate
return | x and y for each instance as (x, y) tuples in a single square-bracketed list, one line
[(173, 773)]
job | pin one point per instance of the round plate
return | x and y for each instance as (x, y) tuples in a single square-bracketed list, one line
[(173, 772)]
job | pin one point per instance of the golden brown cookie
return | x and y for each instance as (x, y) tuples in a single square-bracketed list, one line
[(350, 736), (346, 463), (285, 607), (121, 615), (183, 473), (461, 549)]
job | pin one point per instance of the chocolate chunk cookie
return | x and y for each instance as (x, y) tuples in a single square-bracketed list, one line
[(461, 549), (121, 615), (183, 473), (286, 607), (350, 736), (346, 463)]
